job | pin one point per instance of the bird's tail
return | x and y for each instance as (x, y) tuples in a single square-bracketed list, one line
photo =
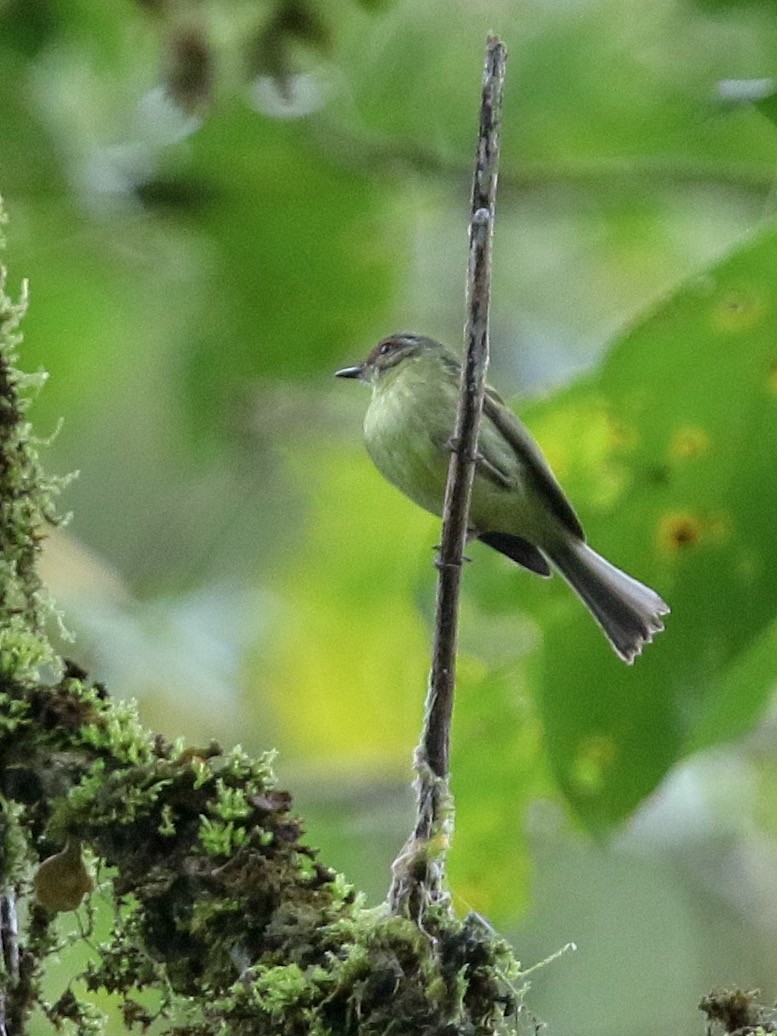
[(628, 611)]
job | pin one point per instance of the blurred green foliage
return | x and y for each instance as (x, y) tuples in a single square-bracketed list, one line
[(676, 435), (199, 269)]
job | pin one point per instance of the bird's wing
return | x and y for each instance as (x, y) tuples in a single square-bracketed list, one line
[(535, 464)]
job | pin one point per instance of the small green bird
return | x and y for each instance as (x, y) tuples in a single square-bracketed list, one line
[(517, 506)]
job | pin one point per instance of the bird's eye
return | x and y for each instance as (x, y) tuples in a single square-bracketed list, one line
[(385, 349)]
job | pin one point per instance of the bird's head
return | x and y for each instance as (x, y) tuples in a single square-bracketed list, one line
[(388, 354)]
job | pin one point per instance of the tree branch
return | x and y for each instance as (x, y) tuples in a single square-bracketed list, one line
[(419, 869)]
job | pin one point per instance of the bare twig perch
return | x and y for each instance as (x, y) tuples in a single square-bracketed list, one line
[(419, 870)]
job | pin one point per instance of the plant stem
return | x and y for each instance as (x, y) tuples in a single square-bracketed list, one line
[(419, 870), (10, 1013)]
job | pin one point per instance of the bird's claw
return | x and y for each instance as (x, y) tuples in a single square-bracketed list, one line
[(454, 445)]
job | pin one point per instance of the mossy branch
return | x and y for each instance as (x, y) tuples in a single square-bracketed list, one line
[(222, 919)]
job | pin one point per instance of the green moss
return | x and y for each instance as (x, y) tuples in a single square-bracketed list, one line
[(220, 906), (221, 839), (230, 802), (15, 856), (13, 713), (22, 650), (167, 824), (283, 989), (26, 504)]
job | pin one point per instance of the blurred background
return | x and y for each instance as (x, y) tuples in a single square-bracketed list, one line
[(220, 202)]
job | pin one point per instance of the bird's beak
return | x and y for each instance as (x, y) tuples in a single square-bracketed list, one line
[(351, 372)]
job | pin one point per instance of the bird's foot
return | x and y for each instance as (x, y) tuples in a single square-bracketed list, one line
[(454, 445)]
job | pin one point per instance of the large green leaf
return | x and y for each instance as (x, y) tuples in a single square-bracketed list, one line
[(669, 454)]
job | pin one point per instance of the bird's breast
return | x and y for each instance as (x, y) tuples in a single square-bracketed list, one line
[(406, 429)]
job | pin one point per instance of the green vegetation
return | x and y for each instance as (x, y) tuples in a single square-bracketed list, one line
[(198, 272)]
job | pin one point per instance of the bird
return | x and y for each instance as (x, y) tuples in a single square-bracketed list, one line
[(517, 506)]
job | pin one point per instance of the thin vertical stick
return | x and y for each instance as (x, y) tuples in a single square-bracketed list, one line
[(419, 870), (10, 1017)]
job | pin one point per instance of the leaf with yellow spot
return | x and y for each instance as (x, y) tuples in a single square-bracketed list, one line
[(689, 442), (669, 454)]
